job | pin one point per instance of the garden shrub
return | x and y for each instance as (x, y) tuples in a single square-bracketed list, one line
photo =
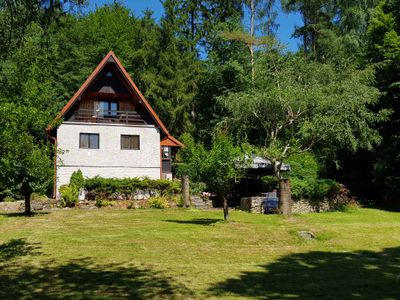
[(303, 166), (128, 186), (69, 195), (177, 200), (159, 202), (77, 179), (9, 199), (302, 188), (304, 178), (38, 197), (326, 188), (197, 187), (101, 202)]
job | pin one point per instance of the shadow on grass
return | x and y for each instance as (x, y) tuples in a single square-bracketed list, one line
[(203, 221), (22, 214), (321, 275), (16, 248), (82, 279)]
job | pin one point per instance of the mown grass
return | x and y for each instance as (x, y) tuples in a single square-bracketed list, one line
[(184, 254)]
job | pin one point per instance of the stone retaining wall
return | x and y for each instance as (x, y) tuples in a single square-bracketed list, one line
[(36, 205), (254, 205)]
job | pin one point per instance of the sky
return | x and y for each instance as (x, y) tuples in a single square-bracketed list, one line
[(287, 22)]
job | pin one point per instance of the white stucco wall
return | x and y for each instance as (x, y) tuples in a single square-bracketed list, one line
[(109, 160)]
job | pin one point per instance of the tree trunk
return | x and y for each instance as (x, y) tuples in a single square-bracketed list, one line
[(185, 190), (27, 196), (252, 14), (285, 197), (226, 208)]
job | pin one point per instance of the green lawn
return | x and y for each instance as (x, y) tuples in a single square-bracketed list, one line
[(184, 254)]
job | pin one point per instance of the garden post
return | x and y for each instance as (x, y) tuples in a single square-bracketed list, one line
[(186, 191)]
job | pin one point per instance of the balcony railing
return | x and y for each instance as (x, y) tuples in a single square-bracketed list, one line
[(108, 116)]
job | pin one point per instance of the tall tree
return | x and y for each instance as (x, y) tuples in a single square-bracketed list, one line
[(17, 15), (332, 29), (219, 167), (384, 51), (26, 108), (298, 105)]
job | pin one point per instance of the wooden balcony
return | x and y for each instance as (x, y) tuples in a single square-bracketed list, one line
[(107, 116)]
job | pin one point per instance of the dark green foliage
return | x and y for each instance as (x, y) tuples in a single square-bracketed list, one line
[(384, 50), (270, 183), (219, 167), (333, 31), (127, 186)]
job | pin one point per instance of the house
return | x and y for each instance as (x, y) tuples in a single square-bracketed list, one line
[(109, 129)]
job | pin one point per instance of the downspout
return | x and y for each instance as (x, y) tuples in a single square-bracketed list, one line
[(161, 171), (54, 142)]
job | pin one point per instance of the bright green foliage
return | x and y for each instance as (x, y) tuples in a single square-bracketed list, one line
[(159, 202), (304, 166), (70, 192), (77, 179), (299, 105), (69, 195), (103, 203), (26, 107), (304, 174), (304, 178), (219, 167)]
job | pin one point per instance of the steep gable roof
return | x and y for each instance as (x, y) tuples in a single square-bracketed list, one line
[(111, 57)]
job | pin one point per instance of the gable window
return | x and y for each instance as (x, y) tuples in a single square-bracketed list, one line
[(89, 141), (166, 159), (166, 166), (109, 108), (130, 142)]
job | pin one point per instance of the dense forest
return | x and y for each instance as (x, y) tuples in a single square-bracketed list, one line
[(212, 68)]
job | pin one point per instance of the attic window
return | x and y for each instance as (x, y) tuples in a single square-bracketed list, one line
[(109, 74)]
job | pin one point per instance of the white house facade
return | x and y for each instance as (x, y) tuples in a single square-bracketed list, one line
[(108, 129)]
